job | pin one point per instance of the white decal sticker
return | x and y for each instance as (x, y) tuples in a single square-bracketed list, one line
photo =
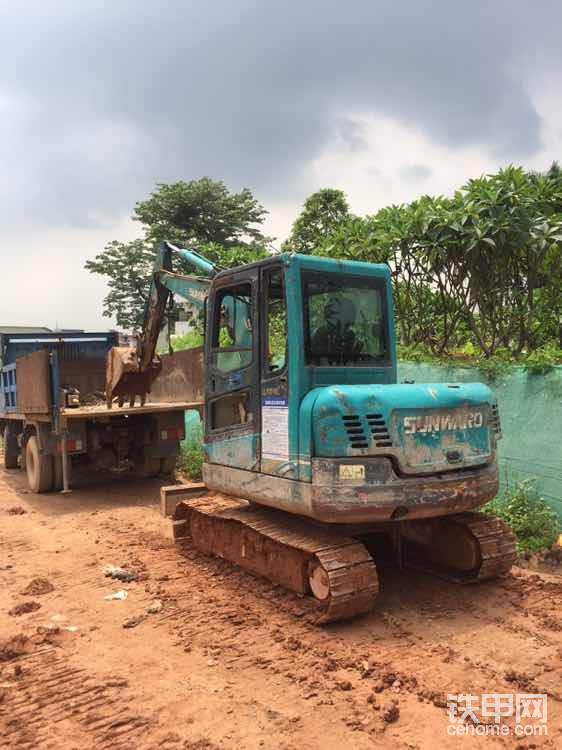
[(275, 428)]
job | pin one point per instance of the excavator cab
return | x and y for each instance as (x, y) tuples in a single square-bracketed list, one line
[(276, 330), (303, 411)]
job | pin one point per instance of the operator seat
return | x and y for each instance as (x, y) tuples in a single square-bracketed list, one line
[(335, 342)]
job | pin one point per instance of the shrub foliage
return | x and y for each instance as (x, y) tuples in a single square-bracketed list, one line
[(535, 524)]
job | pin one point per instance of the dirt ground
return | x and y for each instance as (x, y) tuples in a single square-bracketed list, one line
[(226, 660)]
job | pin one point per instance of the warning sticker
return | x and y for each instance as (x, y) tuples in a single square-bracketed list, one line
[(275, 428), (352, 471)]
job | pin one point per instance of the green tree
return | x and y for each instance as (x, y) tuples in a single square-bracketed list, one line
[(201, 211), (224, 226), (485, 265), (322, 213), (507, 247), (127, 267)]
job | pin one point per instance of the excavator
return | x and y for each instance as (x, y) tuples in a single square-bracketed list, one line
[(313, 453)]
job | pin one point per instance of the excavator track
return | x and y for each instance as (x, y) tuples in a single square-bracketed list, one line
[(465, 548), (336, 570)]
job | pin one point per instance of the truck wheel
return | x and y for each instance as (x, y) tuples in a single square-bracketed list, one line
[(38, 467), (11, 448), (147, 467), (168, 464)]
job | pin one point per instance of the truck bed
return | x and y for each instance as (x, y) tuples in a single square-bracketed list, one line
[(101, 410)]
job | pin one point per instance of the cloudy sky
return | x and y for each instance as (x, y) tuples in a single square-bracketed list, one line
[(385, 100)]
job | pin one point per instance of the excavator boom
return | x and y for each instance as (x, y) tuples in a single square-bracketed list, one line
[(131, 371)]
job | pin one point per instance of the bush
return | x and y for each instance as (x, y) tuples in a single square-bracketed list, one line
[(187, 340), (494, 368), (535, 524), (543, 359), (190, 458)]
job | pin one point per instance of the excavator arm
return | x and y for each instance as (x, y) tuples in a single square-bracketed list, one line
[(131, 371)]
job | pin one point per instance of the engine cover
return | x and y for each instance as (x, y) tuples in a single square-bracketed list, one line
[(427, 428)]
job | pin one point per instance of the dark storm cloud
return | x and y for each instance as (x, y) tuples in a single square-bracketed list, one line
[(100, 100), (352, 134)]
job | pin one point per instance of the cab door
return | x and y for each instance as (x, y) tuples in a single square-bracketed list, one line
[(275, 449), (232, 373)]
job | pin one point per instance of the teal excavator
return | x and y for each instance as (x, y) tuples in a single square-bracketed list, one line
[(315, 456)]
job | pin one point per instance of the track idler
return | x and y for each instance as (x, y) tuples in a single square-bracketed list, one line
[(464, 548)]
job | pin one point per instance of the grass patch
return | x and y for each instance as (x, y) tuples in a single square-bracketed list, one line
[(534, 522)]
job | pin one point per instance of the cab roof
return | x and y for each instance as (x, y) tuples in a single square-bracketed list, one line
[(316, 263)]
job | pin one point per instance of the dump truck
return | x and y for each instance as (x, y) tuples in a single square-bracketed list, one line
[(54, 416), (316, 451)]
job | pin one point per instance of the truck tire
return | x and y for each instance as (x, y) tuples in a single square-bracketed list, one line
[(38, 467), (11, 448), (168, 464)]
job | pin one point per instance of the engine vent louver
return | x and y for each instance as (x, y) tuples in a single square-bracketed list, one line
[(377, 427), (495, 420), (355, 431), (379, 431)]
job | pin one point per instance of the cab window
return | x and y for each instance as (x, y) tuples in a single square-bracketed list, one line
[(344, 320), (276, 323), (232, 334)]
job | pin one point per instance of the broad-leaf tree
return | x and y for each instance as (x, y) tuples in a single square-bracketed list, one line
[(204, 214), (127, 267), (201, 211), (484, 266), (321, 215)]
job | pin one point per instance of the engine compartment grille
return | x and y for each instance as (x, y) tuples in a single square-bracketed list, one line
[(378, 432), (355, 432)]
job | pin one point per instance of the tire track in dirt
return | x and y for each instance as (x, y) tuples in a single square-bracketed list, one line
[(214, 607), (46, 689), (239, 662)]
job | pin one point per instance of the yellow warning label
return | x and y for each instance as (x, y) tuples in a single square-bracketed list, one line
[(352, 471)]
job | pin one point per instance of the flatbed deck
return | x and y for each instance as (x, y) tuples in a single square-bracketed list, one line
[(101, 410), (97, 411)]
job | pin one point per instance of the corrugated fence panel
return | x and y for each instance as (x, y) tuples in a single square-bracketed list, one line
[(531, 415)]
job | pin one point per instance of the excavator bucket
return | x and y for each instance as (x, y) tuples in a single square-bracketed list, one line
[(123, 378)]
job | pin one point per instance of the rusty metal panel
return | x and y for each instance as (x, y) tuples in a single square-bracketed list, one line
[(181, 377), (87, 375), (33, 383), (124, 380), (339, 502)]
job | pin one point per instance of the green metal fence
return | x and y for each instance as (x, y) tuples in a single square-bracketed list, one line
[(531, 415)]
